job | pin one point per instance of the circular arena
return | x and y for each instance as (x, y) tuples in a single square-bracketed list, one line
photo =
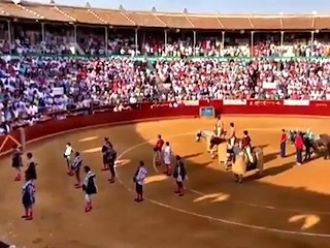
[(288, 206), (138, 129)]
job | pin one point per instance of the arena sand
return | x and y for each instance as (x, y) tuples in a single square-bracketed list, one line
[(288, 207)]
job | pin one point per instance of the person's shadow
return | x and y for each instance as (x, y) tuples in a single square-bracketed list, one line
[(270, 157), (273, 171), (192, 155), (3, 245)]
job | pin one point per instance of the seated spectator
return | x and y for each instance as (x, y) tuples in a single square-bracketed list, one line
[(32, 88)]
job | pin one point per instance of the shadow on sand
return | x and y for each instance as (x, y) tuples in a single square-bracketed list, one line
[(255, 190)]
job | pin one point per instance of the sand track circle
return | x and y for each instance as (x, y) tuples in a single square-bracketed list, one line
[(220, 203), (288, 207)]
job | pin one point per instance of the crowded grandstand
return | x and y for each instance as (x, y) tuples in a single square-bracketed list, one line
[(57, 59)]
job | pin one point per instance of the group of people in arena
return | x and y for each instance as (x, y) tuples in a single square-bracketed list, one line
[(32, 88), (30, 176), (163, 156), (74, 162), (303, 141)]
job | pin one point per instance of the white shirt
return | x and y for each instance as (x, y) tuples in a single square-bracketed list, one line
[(167, 154), (68, 151), (219, 124), (32, 110), (141, 175)]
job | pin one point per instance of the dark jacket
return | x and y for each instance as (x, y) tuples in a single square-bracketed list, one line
[(17, 159), (31, 171), (180, 170), (89, 185)]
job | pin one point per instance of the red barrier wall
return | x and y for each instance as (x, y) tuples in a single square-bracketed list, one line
[(277, 107), (315, 108), (55, 126)]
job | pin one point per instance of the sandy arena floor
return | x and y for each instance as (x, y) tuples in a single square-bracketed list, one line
[(288, 207)]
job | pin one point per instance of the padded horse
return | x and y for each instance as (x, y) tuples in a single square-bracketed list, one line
[(226, 155), (215, 143), (242, 166), (322, 145)]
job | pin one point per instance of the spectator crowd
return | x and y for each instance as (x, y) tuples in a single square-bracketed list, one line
[(56, 40), (212, 47), (32, 87)]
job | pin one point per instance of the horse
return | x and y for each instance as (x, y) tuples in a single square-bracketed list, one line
[(204, 134), (212, 140), (242, 165), (321, 144), (292, 136), (215, 143), (226, 155), (217, 146)]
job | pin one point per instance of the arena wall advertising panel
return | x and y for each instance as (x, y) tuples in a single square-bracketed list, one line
[(236, 102), (290, 102)]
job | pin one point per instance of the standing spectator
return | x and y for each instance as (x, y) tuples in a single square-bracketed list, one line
[(168, 159), (31, 171), (138, 179), (75, 168), (112, 156), (5, 127), (89, 187), (68, 152), (283, 143), (105, 153), (179, 175), (299, 143), (28, 197), (158, 150), (17, 162)]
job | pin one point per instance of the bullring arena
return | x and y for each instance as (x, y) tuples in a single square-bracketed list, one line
[(287, 207), (80, 74)]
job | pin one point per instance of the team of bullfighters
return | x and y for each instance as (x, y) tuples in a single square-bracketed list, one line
[(163, 156)]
